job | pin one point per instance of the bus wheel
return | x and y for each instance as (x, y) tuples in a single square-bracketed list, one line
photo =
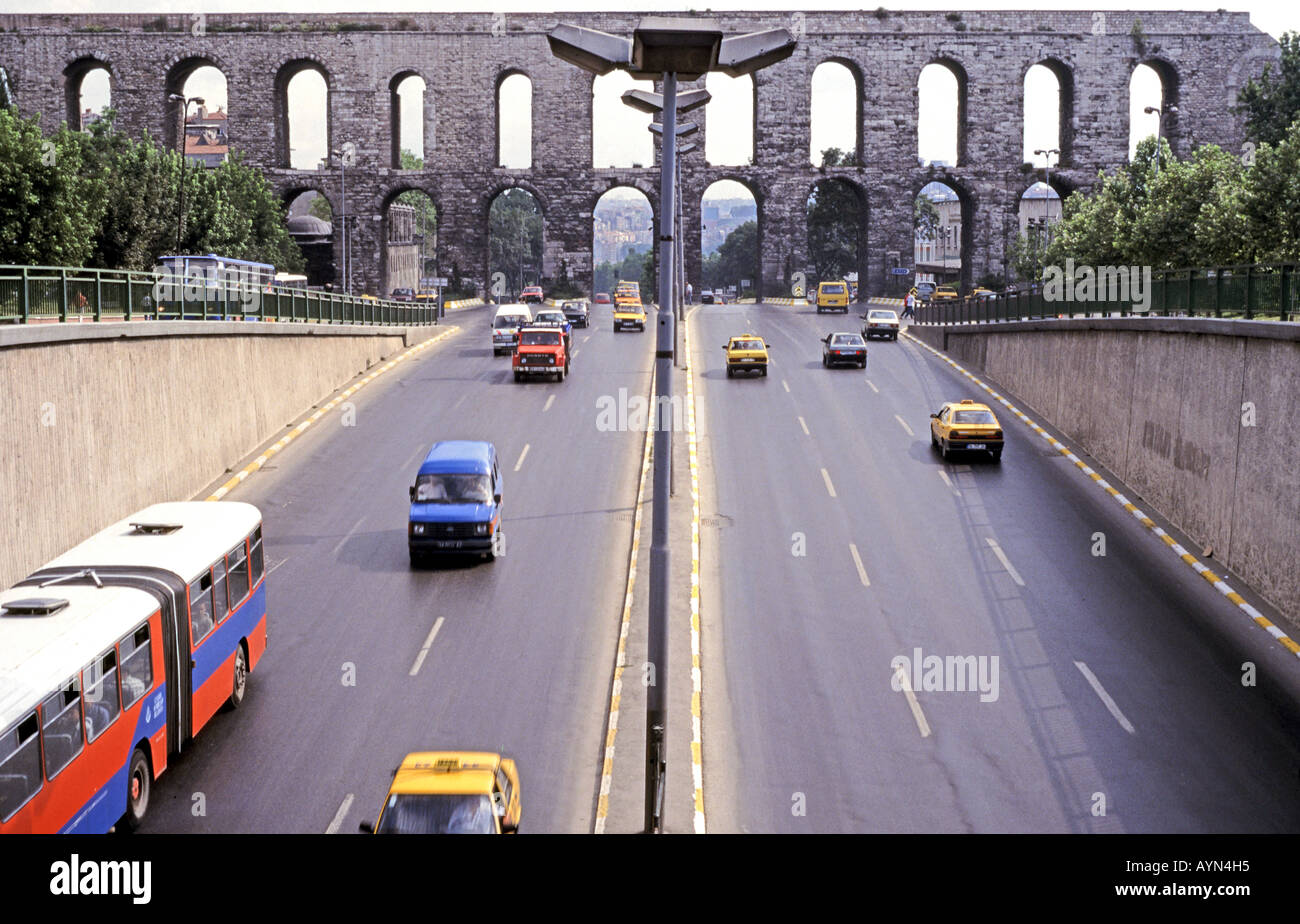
[(241, 677), (138, 783)]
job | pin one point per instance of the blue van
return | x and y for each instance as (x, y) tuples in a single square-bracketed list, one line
[(456, 502)]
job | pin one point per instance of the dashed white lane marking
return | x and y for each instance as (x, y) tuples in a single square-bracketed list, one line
[(857, 560), (903, 423), (873, 386), (586, 338), (917, 714), (271, 570), (805, 427), (785, 384), (1097, 688), (520, 463), (826, 477), (355, 527), (428, 643), (948, 482), (1006, 562), (549, 402), (1187, 557), (337, 821)]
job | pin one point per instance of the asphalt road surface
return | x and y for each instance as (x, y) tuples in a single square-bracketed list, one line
[(521, 659), (804, 727)]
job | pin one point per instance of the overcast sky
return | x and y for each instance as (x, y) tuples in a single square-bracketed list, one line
[(621, 138)]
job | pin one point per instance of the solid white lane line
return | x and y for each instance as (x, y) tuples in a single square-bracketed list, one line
[(271, 570), (903, 423), (873, 386), (946, 479), (520, 463), (428, 643), (805, 427), (354, 528), (1006, 563), (857, 560), (342, 813), (917, 714), (1097, 688), (549, 402), (830, 488), (785, 384)]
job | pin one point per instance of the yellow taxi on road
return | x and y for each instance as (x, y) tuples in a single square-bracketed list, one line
[(832, 295), (745, 353), (942, 292), (966, 425), (628, 312), (451, 792)]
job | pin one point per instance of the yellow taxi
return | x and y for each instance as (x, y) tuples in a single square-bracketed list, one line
[(966, 425), (745, 353), (832, 295), (981, 292), (942, 292), (451, 792), (628, 312)]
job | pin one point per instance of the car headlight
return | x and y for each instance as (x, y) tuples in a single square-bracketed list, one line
[(481, 529), (417, 529)]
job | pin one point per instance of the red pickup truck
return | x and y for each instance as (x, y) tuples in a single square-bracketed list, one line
[(541, 351)]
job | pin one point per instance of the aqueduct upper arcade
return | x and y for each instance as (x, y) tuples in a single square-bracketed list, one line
[(1203, 58)]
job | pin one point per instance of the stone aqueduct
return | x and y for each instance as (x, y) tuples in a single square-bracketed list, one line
[(1203, 59)]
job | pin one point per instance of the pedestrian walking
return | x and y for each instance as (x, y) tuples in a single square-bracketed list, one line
[(909, 301)]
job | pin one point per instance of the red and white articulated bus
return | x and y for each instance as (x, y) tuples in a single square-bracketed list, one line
[(115, 654)]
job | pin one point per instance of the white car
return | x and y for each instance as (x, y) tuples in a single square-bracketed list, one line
[(881, 322), (505, 327)]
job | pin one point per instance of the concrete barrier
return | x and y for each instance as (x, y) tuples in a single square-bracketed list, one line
[(103, 419), (1197, 416)]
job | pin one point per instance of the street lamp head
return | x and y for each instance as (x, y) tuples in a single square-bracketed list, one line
[(645, 101), (685, 46), (175, 98), (1150, 109), (590, 49), (744, 54), (196, 99)]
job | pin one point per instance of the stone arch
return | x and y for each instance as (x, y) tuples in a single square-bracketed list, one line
[(73, 74), (395, 116), (502, 76), (280, 109), (967, 202), (855, 72), (1064, 74), (484, 211), (861, 224), (651, 197), (382, 205), (178, 71), (958, 71), (1170, 91)]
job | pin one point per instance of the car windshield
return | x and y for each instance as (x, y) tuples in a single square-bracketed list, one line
[(973, 417), (453, 489), (418, 813), (747, 344), (510, 320), (539, 338), (846, 340), (551, 317), (883, 316), (836, 289)]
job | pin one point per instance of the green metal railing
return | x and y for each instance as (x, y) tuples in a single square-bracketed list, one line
[(1261, 291), (35, 294)]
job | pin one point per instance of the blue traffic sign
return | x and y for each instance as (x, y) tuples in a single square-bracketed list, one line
[(900, 270)]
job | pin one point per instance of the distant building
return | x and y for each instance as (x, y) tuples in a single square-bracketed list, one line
[(315, 238), (206, 141), (1039, 202), (403, 249), (938, 258)]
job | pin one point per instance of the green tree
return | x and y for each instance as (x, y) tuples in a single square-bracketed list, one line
[(515, 238), (49, 208), (925, 218), (736, 258), (1271, 103), (320, 208), (833, 209), (426, 216)]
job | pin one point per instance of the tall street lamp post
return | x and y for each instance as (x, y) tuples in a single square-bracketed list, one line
[(180, 199), (1160, 123), (343, 154), (665, 49)]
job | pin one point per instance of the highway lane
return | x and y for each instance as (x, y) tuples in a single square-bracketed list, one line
[(355, 674), (799, 711)]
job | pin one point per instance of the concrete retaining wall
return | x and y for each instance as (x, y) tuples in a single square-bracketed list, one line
[(100, 420), (1197, 416)]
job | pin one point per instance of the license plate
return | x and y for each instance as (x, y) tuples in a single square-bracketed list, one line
[(450, 544), (976, 446)]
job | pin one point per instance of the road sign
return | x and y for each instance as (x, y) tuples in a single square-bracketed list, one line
[(744, 283), (900, 270), (433, 282)]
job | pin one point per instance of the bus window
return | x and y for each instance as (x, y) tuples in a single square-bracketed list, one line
[(237, 574), (219, 589), (201, 621), (61, 736), (20, 766), (137, 667), (256, 555), (102, 702)]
